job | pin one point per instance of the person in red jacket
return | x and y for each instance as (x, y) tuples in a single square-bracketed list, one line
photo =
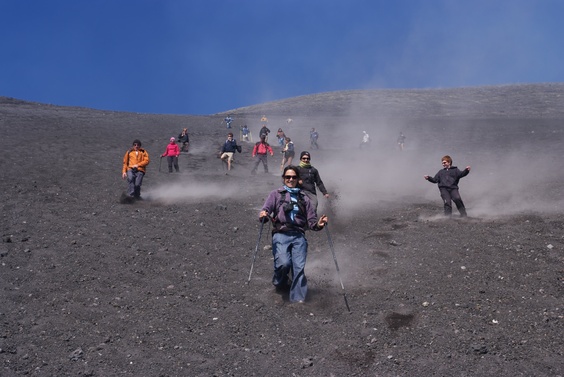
[(171, 154), (260, 151)]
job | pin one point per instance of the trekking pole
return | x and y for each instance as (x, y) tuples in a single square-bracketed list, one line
[(337, 266), (256, 251), (160, 162)]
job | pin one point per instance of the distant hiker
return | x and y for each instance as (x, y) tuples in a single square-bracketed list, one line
[(171, 153), (264, 120), (260, 151), (228, 121), (289, 120), (245, 133), (365, 139), (310, 179), (280, 135), (292, 214), (288, 152), (135, 162), (228, 149), (447, 179), (264, 131), (401, 141), (184, 139), (313, 136)]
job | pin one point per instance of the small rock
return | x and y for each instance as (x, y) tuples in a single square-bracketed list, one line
[(550, 246), (76, 354)]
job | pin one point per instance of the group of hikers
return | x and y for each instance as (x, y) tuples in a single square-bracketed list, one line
[(290, 208)]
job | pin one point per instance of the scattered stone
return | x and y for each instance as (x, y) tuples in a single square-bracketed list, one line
[(76, 354), (550, 246)]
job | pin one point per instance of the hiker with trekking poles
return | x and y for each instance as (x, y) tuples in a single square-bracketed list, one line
[(291, 213), (171, 153)]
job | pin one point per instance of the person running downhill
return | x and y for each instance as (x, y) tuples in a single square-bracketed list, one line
[(310, 179), (228, 149), (447, 179), (288, 152), (292, 214), (171, 153), (184, 139), (260, 151), (135, 162)]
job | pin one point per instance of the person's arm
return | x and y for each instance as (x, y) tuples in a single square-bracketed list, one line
[(144, 159), (464, 172), (320, 184), (269, 148), (434, 179), (268, 207), (125, 162)]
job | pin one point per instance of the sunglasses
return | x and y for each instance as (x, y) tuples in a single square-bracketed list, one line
[(289, 177), (305, 158)]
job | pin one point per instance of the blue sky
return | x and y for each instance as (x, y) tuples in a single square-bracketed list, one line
[(209, 56)]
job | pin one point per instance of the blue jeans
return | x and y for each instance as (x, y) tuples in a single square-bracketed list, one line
[(290, 252), (134, 181)]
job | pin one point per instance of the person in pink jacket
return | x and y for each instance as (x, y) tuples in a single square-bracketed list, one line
[(171, 154)]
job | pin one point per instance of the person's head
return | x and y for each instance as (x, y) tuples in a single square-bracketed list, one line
[(287, 139), (305, 157), (446, 161), (280, 130), (172, 139), (313, 129), (185, 129), (136, 144), (291, 176), (230, 135)]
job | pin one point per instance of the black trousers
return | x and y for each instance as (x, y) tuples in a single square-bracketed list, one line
[(172, 160), (452, 195)]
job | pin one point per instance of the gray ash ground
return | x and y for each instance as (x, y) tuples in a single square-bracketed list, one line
[(93, 287)]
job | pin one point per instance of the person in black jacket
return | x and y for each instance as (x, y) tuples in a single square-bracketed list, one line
[(228, 149), (447, 179), (310, 179)]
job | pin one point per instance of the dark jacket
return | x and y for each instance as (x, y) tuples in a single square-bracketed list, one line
[(304, 220), (448, 178), (229, 146), (310, 178)]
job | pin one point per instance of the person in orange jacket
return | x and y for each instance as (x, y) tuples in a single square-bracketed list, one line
[(135, 162), (172, 152)]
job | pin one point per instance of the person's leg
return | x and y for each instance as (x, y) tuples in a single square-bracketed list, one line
[(298, 289), (229, 161), (445, 195), (281, 250), (138, 182), (458, 201), (130, 183), (257, 162), (175, 163), (264, 160), (169, 161), (312, 198)]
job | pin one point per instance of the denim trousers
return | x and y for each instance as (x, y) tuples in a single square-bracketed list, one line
[(290, 253), (134, 180)]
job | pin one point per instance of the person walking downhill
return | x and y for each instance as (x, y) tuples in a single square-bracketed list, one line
[(313, 136), (288, 153), (281, 136), (292, 214), (184, 139), (228, 149), (264, 131), (171, 153), (447, 179), (310, 179), (401, 141), (260, 151), (135, 162)]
